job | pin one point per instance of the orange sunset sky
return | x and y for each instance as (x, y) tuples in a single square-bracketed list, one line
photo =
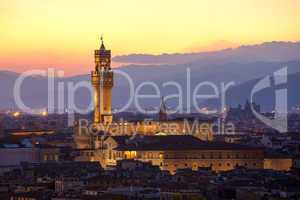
[(37, 34)]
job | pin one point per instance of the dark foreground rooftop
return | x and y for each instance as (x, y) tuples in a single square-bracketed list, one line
[(172, 142)]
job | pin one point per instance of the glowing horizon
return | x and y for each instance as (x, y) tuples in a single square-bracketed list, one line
[(63, 34)]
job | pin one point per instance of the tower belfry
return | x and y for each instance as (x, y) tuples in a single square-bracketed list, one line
[(102, 82)]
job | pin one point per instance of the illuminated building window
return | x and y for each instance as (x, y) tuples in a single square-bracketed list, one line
[(150, 155), (130, 154)]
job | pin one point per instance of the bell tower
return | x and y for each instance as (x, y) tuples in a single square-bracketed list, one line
[(102, 82)]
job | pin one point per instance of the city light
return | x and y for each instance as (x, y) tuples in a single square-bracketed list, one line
[(44, 113), (16, 114)]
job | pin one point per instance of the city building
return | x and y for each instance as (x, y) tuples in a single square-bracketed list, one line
[(175, 152), (12, 155)]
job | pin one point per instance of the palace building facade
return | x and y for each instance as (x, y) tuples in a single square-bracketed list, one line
[(173, 152)]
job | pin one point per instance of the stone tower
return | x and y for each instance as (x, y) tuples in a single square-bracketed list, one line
[(102, 82)]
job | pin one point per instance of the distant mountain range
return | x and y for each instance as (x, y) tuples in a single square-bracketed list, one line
[(244, 66), (267, 52)]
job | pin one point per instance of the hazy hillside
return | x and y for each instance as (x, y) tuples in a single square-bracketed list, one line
[(240, 93), (35, 91)]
